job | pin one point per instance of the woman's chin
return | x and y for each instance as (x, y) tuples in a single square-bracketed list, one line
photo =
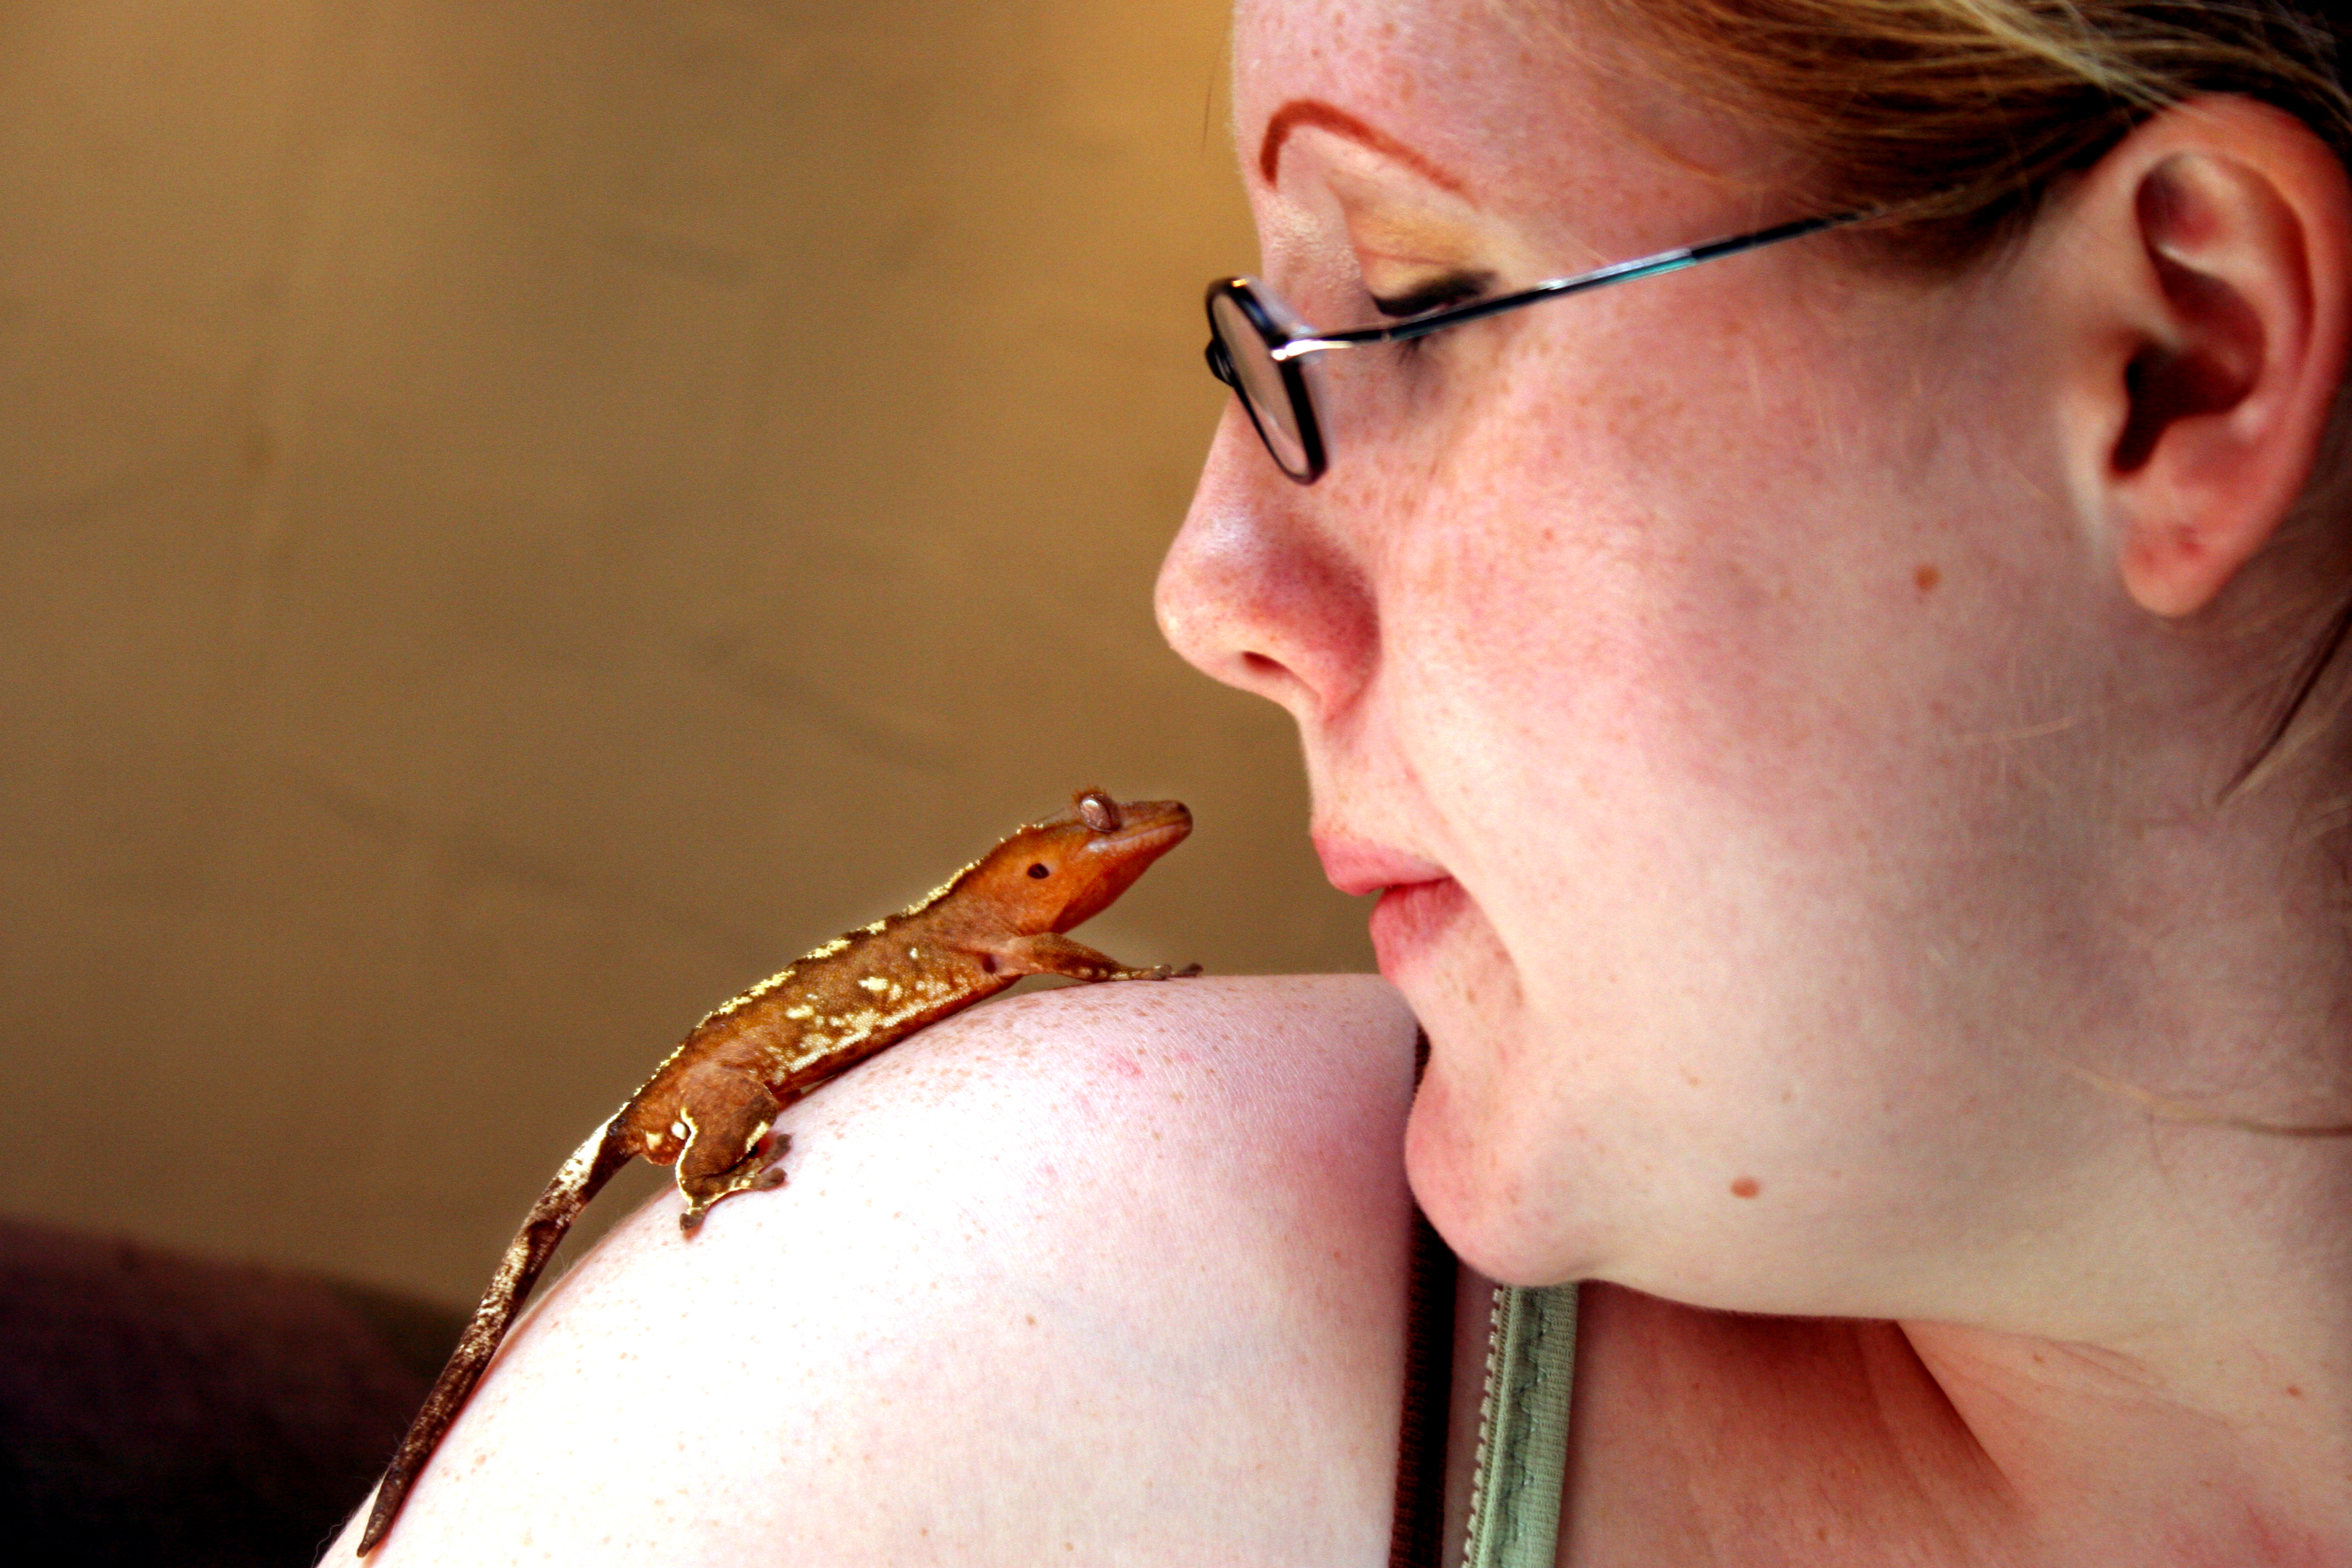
[(1503, 1215), (1483, 1164)]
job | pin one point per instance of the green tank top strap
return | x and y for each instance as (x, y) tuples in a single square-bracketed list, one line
[(1522, 1458)]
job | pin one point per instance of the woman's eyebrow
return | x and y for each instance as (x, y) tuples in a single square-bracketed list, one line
[(1313, 113)]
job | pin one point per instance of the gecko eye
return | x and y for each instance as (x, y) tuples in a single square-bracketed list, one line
[(1099, 811), (1040, 871)]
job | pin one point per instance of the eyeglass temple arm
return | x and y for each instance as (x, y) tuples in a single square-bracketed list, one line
[(1620, 272)]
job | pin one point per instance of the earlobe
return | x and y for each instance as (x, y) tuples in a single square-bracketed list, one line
[(2176, 570), (2238, 221)]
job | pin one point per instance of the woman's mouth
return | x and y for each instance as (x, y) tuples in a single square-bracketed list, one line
[(1418, 899), (1408, 920), (1359, 866)]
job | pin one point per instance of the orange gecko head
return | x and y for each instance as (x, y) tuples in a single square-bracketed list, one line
[(1068, 868)]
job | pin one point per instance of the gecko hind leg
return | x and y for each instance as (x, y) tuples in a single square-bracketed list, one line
[(726, 1115)]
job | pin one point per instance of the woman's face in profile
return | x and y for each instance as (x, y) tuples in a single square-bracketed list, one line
[(1662, 652)]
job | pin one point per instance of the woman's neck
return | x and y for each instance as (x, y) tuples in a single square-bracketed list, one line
[(1715, 1437), (2226, 1441)]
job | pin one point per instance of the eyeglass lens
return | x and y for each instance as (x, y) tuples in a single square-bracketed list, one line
[(1261, 384)]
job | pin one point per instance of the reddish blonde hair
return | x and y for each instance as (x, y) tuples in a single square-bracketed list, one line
[(1970, 108)]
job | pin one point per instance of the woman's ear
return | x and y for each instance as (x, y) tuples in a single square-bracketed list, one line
[(2217, 240)]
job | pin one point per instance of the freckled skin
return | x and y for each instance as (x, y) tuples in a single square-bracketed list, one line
[(708, 1108)]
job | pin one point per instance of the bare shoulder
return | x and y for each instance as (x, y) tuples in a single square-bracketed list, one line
[(1112, 1274)]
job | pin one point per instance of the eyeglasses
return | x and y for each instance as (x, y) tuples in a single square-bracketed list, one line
[(1257, 348)]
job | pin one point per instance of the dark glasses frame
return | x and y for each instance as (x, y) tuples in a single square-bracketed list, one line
[(1259, 350)]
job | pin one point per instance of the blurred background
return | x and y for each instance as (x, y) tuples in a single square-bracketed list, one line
[(519, 517)]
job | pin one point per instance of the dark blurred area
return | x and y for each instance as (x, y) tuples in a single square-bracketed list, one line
[(157, 1409)]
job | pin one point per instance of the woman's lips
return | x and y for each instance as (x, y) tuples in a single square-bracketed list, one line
[(1418, 899), (1357, 866), (1409, 919)]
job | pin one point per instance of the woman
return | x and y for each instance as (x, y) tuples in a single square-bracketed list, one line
[(1845, 734)]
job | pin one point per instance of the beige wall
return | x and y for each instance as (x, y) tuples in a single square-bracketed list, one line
[(518, 515)]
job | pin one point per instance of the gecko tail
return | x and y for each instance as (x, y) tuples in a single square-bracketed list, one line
[(582, 1176)]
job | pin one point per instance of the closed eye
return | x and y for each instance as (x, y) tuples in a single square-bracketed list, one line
[(1450, 288)]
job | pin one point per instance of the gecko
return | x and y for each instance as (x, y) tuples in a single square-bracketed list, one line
[(707, 1110)]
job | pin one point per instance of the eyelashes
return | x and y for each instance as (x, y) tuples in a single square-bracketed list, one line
[(1451, 288), (1448, 289)]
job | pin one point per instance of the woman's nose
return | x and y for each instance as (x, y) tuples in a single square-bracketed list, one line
[(1259, 592)]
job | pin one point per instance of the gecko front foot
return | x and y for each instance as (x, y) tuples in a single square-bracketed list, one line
[(763, 1181), (757, 1171)]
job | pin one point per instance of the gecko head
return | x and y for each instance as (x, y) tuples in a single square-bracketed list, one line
[(1064, 870)]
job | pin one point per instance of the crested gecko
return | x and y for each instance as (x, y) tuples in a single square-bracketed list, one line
[(708, 1108)]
